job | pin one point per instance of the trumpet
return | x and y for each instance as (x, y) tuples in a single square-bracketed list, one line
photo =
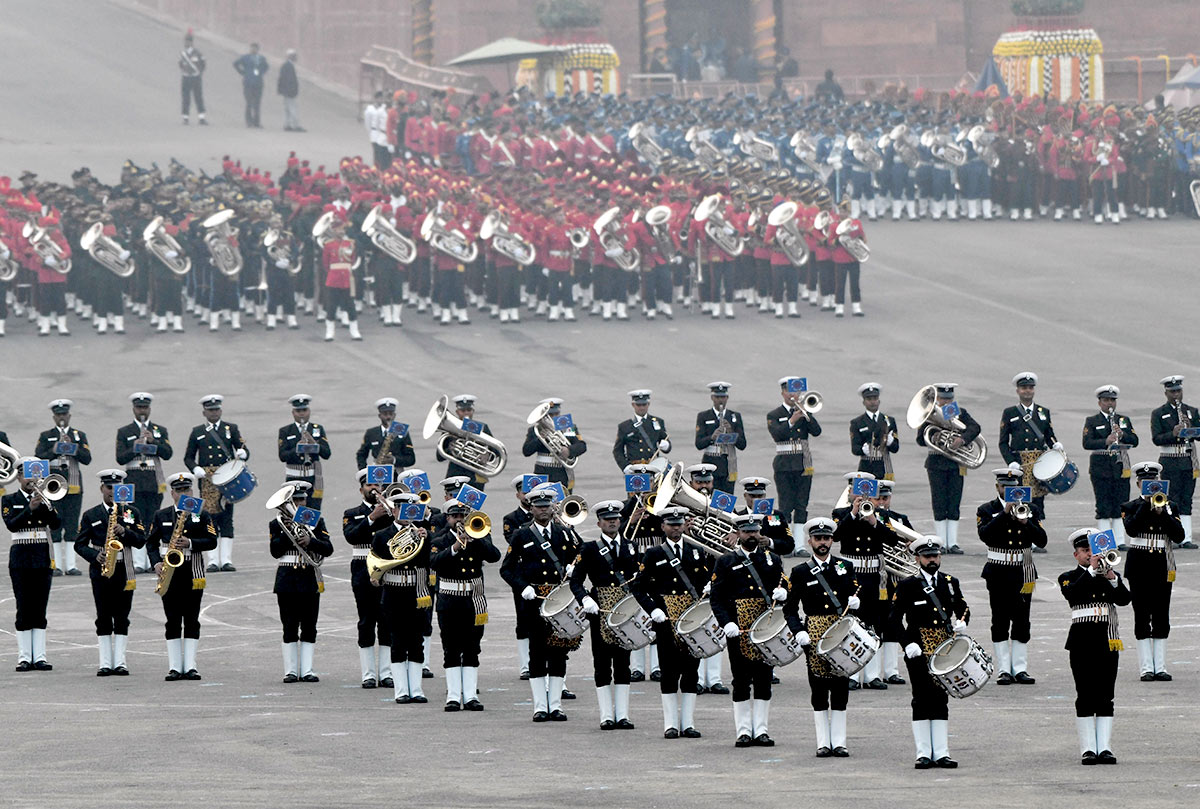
[(477, 525), (1158, 501), (811, 402), (866, 508), (1108, 560), (1022, 511)]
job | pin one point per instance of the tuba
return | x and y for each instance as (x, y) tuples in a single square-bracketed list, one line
[(504, 241), (787, 234), (403, 547), (218, 237), (706, 153), (281, 501), (106, 251), (606, 228), (165, 248), (45, 247), (482, 454), (8, 265), (852, 244), (320, 231), (716, 228), (925, 417), (805, 149), (864, 153), (645, 146), (385, 236), (543, 427), (984, 143), (903, 147), (10, 461), (709, 528), (751, 145), (943, 148), (451, 242), (279, 247), (658, 220)]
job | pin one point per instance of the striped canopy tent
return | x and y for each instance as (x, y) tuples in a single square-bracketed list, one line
[(1065, 63), (590, 67)]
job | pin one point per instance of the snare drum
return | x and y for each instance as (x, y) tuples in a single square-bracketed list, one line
[(699, 630), (960, 666), (234, 480), (563, 613), (630, 624), (848, 645), (1055, 471), (774, 640)]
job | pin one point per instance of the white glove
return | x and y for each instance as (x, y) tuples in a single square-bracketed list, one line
[(613, 253), (677, 259), (546, 272), (1103, 160), (240, 454), (707, 588), (529, 594), (391, 148), (4, 251), (658, 616), (779, 594), (172, 254), (664, 445), (1014, 467), (959, 626), (570, 569), (804, 639), (198, 471), (407, 154), (124, 254), (731, 630), (1058, 446), (282, 264), (50, 261), (853, 602), (866, 448), (590, 606), (912, 650)]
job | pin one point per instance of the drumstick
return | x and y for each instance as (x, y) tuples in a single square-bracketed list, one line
[(856, 592)]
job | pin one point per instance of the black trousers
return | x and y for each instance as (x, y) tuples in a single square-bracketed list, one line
[(871, 611), (181, 605), (929, 700), (1151, 600), (850, 271), (828, 693), (876, 468), (749, 676), (1095, 675), (722, 483), (945, 491), (508, 277), (69, 508), (559, 284), (1183, 487), (1110, 494), (785, 280), (52, 299), (372, 618), (793, 487), (720, 275), (31, 592), (610, 663), (383, 158), (658, 285), (1010, 610), (825, 275), (339, 298), (113, 603), (678, 670), (298, 614), (460, 637), (407, 623), (253, 94), (544, 659), (192, 87)]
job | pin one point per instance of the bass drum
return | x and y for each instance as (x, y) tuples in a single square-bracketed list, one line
[(774, 640), (563, 613), (234, 480), (960, 666), (699, 631), (1055, 471), (630, 624), (848, 645)]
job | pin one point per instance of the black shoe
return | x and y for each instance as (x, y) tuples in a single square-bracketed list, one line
[(763, 740), (120, 671), (1106, 757), (1188, 546), (743, 741), (228, 568), (876, 685), (524, 675), (1036, 549), (841, 752), (624, 724), (558, 716), (636, 677), (403, 699), (1148, 677), (718, 689), (141, 570), (670, 733), (946, 763), (370, 683), (310, 678), (426, 674), (656, 676), (473, 705), (608, 724), (42, 665), (824, 752), (24, 665), (192, 674), (568, 694), (922, 763), (420, 699), (387, 682), (774, 680), (1162, 676), (299, 129), (701, 689), (690, 733), (1023, 678), (203, 122), (104, 671), (1088, 759), (172, 676), (538, 716), (291, 678), (895, 679), (74, 571), (57, 572), (1005, 678), (453, 706), (954, 550), (853, 685), (212, 569)]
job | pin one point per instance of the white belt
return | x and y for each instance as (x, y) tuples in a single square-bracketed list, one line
[(304, 470), (407, 578), (548, 460), (31, 534), (1147, 543), (874, 455), (1176, 451), (136, 466), (794, 447), (456, 586), (1096, 612), (717, 450), (289, 559), (1006, 557), (360, 552), (867, 564), (559, 253)]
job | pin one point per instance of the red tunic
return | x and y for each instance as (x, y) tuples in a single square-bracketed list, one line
[(336, 257)]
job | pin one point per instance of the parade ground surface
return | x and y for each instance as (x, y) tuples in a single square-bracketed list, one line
[(971, 303)]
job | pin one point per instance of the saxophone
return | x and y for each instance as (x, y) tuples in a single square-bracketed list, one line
[(384, 455), (173, 558), (112, 546)]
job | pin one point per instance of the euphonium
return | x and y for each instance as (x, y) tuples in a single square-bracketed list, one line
[(864, 153), (944, 148), (926, 417), (106, 251), (165, 248), (279, 248), (46, 247), (606, 228), (452, 242), (320, 231), (709, 529), (385, 236), (9, 460), (853, 245), (657, 220), (985, 145), (805, 149), (173, 558), (723, 234), (112, 546), (218, 237), (8, 265), (281, 502), (752, 145), (787, 235), (554, 439), (645, 145), (896, 557), (504, 241), (483, 454), (707, 154), (403, 547)]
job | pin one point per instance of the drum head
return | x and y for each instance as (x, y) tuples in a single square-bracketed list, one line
[(623, 610), (767, 626), (227, 472), (557, 599), (1049, 464), (694, 616), (834, 636), (950, 655)]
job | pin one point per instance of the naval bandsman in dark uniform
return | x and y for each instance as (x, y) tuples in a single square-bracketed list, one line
[(299, 551), (303, 444), (946, 474), (1178, 456), (32, 520), (776, 530), (1109, 436), (360, 523), (553, 464), (643, 437), (873, 436), (386, 445), (464, 408), (791, 427), (67, 449), (518, 518), (142, 446), (209, 446), (1026, 433), (720, 420)]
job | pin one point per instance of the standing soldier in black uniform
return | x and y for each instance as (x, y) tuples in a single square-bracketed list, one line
[(296, 449), (873, 437), (552, 464), (1178, 455), (745, 584), (142, 446), (946, 474), (406, 601), (609, 563), (929, 608), (673, 577), (181, 601), (536, 562), (32, 520), (1010, 534), (720, 420), (860, 538), (1094, 593), (776, 532), (1107, 435), (359, 526), (638, 525), (791, 426), (641, 438), (464, 408), (191, 79), (383, 445), (822, 590), (67, 449), (889, 650), (1150, 568), (1025, 433), (514, 520), (299, 551), (458, 559), (209, 445), (113, 593)]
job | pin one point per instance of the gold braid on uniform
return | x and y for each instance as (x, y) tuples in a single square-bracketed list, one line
[(748, 610)]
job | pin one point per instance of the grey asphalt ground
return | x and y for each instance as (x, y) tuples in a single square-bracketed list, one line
[(971, 303)]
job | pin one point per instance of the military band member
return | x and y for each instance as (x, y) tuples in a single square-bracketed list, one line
[(552, 463), (946, 474), (359, 526), (518, 518), (536, 563), (928, 610), (1026, 433), (673, 577), (1010, 575), (67, 449), (746, 583), (4, 440), (32, 520), (823, 589), (384, 445), (458, 559), (299, 551), (1094, 593), (720, 420), (1150, 568), (1178, 456), (406, 601), (338, 258), (1108, 436), (873, 437), (297, 451), (791, 426), (643, 437), (609, 564), (700, 478), (889, 650), (776, 531), (142, 446), (464, 408), (638, 525), (181, 601), (209, 446), (861, 534), (112, 594)]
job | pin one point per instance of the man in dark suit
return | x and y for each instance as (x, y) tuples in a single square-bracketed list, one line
[(720, 420), (1178, 455), (1026, 433), (209, 446), (389, 443), (142, 446), (946, 474), (288, 86), (643, 437), (1108, 436), (873, 437), (252, 67)]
